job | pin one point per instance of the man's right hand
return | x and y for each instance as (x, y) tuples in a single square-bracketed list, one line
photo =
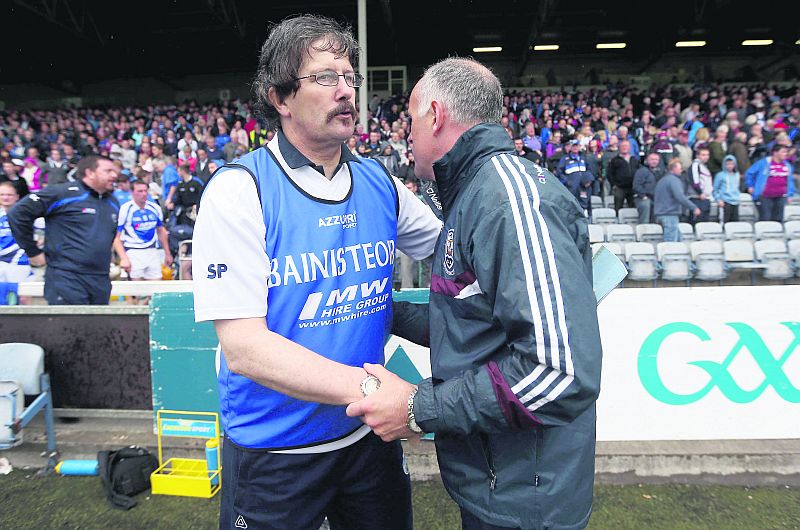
[(750, 191), (125, 264), (697, 212), (38, 260)]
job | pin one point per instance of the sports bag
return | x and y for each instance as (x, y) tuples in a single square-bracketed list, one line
[(125, 473)]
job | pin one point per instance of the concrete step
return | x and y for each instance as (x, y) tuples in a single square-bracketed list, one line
[(81, 433)]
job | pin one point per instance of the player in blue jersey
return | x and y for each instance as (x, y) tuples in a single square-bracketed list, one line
[(141, 241), (293, 251), (14, 264)]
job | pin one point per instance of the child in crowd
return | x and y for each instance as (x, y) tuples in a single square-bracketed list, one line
[(726, 189)]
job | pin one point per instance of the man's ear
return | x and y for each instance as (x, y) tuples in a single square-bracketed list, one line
[(277, 102), (439, 116)]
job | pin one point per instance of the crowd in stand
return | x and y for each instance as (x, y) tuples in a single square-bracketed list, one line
[(618, 141)]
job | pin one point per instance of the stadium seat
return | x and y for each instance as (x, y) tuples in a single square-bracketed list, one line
[(769, 230), (748, 212), (709, 231), (620, 233), (604, 216), (675, 261), (709, 260), (608, 201), (791, 229), (738, 230), (628, 216), (774, 254), (794, 253), (791, 212), (185, 259), (22, 374), (713, 210), (597, 202), (794, 199), (642, 263), (745, 197), (649, 233), (687, 232), (739, 254), (596, 234), (616, 248)]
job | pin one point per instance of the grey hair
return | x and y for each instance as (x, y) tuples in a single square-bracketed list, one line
[(470, 92), (287, 46)]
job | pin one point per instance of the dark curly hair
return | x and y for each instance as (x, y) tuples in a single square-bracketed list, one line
[(284, 51)]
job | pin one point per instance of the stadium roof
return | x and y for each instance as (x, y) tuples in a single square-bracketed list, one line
[(72, 41)]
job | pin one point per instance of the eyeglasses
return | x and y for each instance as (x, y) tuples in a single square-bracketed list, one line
[(331, 78)]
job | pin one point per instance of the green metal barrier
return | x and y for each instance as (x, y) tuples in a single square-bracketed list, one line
[(182, 353)]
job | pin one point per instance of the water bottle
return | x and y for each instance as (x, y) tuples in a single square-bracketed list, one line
[(212, 460), (78, 467)]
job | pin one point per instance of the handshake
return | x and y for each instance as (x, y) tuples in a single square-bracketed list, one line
[(388, 410)]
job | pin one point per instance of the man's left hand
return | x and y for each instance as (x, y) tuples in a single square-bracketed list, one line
[(386, 410)]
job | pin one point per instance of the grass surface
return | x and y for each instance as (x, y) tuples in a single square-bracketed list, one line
[(55, 502)]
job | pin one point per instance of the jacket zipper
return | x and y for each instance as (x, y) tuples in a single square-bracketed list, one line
[(487, 456), (538, 454)]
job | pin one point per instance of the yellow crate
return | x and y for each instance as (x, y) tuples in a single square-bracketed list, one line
[(185, 477)]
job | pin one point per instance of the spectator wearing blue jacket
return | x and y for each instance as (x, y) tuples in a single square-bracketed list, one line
[(622, 132), (770, 181), (726, 189), (573, 174)]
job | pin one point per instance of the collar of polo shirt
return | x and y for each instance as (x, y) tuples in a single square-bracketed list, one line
[(295, 159)]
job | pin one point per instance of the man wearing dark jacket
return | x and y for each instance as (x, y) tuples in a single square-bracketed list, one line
[(81, 223), (621, 170), (202, 169), (644, 185), (515, 345), (11, 174)]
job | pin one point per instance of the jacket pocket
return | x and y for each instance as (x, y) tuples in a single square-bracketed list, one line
[(486, 450)]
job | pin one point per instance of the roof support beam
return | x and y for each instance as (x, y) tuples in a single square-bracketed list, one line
[(226, 11), (78, 21), (546, 9)]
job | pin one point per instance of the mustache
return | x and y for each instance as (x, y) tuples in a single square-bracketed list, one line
[(343, 107)]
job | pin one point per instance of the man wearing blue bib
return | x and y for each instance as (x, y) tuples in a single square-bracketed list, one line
[(293, 251)]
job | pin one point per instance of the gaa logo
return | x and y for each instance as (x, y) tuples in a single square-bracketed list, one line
[(449, 261), (719, 376)]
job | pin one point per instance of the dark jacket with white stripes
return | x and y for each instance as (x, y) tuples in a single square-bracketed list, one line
[(515, 345)]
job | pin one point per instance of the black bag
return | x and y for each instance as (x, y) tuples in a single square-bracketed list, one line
[(124, 473)]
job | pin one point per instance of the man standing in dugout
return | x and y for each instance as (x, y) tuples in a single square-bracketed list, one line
[(293, 253)]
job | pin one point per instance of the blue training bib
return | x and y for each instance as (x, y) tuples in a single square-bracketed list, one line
[(329, 290)]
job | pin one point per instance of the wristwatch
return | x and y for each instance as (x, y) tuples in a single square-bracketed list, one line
[(412, 424), (369, 385)]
